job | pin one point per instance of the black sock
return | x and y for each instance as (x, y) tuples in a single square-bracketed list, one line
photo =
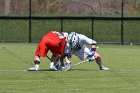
[(37, 62)]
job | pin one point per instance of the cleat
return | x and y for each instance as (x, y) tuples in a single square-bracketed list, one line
[(63, 68), (35, 68), (104, 68), (58, 67), (53, 68)]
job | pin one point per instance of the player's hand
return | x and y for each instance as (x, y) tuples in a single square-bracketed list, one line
[(91, 57)]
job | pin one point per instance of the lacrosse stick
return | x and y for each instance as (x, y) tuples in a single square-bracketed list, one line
[(48, 57), (80, 63)]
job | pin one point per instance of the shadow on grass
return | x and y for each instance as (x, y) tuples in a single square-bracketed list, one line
[(71, 70)]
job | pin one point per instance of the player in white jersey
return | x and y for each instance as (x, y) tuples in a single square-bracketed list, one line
[(76, 44)]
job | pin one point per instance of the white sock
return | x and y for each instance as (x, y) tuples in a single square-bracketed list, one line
[(37, 65), (51, 64), (101, 66)]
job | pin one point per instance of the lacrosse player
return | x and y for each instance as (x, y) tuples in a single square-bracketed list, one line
[(53, 41), (76, 44)]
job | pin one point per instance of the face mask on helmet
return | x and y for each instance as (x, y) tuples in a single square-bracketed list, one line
[(73, 39)]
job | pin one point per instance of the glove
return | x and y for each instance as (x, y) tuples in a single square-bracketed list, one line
[(68, 66), (91, 57)]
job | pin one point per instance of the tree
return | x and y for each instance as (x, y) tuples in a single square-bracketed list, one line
[(101, 8), (137, 2), (7, 7)]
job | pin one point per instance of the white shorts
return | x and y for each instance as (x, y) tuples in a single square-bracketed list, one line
[(82, 53)]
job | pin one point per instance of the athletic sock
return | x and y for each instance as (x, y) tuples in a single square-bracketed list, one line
[(37, 65), (62, 62), (101, 66), (51, 64), (37, 62)]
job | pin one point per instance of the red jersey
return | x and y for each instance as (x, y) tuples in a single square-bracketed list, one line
[(52, 42)]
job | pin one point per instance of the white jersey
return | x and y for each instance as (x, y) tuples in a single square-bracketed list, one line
[(82, 50), (83, 40)]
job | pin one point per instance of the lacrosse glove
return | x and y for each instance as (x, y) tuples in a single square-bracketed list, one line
[(91, 57)]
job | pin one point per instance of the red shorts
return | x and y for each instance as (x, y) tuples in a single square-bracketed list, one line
[(51, 42)]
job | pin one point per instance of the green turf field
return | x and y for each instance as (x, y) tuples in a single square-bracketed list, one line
[(124, 76)]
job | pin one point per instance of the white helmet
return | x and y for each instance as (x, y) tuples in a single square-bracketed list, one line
[(73, 39), (65, 34)]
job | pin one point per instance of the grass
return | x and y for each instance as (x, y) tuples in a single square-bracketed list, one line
[(85, 78)]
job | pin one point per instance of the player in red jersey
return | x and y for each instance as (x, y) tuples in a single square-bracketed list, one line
[(53, 41)]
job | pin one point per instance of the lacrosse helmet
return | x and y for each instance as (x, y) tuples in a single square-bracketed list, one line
[(73, 39), (65, 34)]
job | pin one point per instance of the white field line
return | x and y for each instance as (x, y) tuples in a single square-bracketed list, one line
[(47, 90), (13, 70), (62, 71), (127, 70), (7, 91), (6, 46)]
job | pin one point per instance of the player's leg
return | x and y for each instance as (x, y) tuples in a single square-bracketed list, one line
[(82, 54), (41, 51), (57, 62), (61, 65), (91, 55), (67, 63), (97, 57), (54, 62), (99, 62), (36, 62), (85, 53)]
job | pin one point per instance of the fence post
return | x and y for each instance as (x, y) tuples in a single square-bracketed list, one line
[(92, 23), (122, 34), (30, 21), (61, 24)]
